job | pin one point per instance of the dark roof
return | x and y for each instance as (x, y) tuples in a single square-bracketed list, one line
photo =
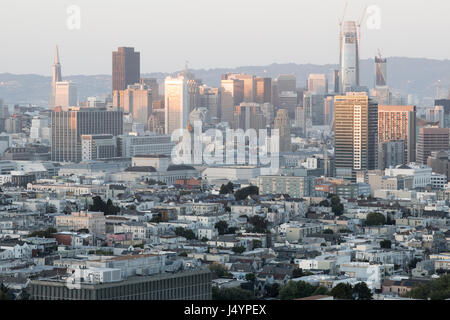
[(180, 167), (160, 156), (141, 169)]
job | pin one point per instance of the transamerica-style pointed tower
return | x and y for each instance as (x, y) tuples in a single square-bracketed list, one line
[(56, 77)]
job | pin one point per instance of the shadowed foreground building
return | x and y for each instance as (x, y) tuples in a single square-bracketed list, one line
[(186, 285)]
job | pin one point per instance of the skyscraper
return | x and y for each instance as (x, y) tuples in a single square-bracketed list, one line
[(176, 104), (314, 108), (210, 99), (317, 84), (248, 115), (263, 90), (355, 134), (125, 68), (282, 123), (231, 95), (68, 127), (249, 84), (56, 77), (398, 123), (432, 139), (349, 57), (65, 94), (135, 100), (380, 72)]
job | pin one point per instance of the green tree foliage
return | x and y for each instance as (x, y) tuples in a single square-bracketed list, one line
[(375, 219), (238, 249), (243, 193), (296, 289), (222, 227), (362, 292), (232, 294), (336, 206), (386, 244), (324, 203), (5, 293), (321, 291), (186, 233), (259, 224), (44, 233), (328, 231), (437, 289), (226, 188), (272, 290), (256, 244), (219, 270), (250, 277), (342, 291), (101, 206)]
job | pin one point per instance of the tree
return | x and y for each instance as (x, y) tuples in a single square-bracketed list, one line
[(44, 233), (324, 203), (259, 224), (328, 231), (219, 270), (222, 227), (437, 289), (337, 209), (375, 219), (362, 292), (243, 193), (256, 244), (296, 289), (342, 291), (386, 244), (272, 290), (250, 277), (186, 233), (5, 293), (238, 249), (232, 294), (321, 291), (226, 189), (297, 273)]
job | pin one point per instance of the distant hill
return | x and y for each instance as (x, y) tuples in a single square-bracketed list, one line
[(407, 75)]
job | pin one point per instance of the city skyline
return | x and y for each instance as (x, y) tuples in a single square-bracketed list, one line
[(276, 42)]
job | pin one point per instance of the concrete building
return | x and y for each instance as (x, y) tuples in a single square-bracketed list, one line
[(432, 139), (95, 222)]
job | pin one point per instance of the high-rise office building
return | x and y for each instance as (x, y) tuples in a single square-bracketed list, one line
[(333, 81), (282, 123), (263, 90), (248, 115), (125, 68), (176, 104), (153, 85), (391, 154), (436, 114), (231, 95), (317, 84), (445, 103), (355, 138), (286, 82), (349, 57), (398, 123), (249, 84), (210, 99), (135, 100), (56, 77), (328, 110), (65, 94), (314, 107), (69, 125), (432, 139), (380, 72)]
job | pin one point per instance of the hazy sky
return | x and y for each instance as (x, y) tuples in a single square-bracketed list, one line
[(210, 33)]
